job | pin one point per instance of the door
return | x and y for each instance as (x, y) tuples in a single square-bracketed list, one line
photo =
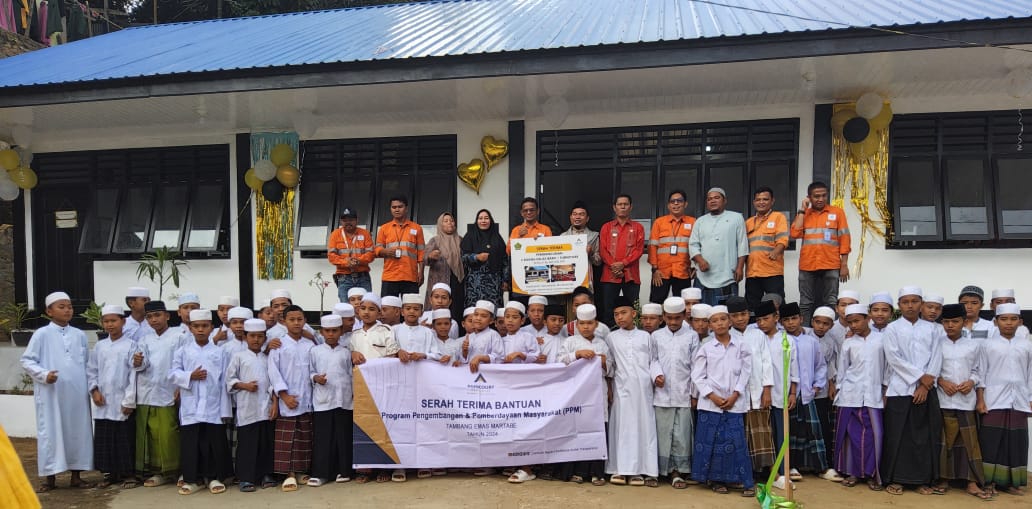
[(57, 263)]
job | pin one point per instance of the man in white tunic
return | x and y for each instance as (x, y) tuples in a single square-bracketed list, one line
[(56, 360), (633, 445), (157, 425)]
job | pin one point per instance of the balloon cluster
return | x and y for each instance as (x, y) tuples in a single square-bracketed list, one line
[(17, 174), (858, 124), (272, 176)]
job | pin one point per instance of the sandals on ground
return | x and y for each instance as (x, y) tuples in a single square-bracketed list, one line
[(651, 482), (749, 492), (598, 481), (383, 476), (154, 481), (216, 487), (361, 478), (425, 473), (678, 483), (618, 480), (849, 482), (719, 488), (521, 476), (188, 488), (129, 484), (636, 480), (897, 489), (268, 482), (399, 475), (246, 487), (289, 484)]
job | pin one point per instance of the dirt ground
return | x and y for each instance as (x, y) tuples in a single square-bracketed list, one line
[(463, 490)]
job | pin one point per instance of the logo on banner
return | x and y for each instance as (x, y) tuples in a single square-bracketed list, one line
[(480, 379)]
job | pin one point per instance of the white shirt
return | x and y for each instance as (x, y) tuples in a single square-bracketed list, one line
[(486, 342), (279, 331), (427, 321), (246, 366), (980, 329), (201, 401), (152, 385), (289, 370), (232, 345), (570, 329), (523, 343), (452, 347), (375, 342), (537, 333), (136, 330), (838, 332), (961, 361), (1008, 373), (676, 351), (723, 370), (414, 338), (568, 355), (550, 347), (761, 373), (861, 370), (912, 350), (110, 370), (335, 363), (777, 360), (829, 351), (813, 372)]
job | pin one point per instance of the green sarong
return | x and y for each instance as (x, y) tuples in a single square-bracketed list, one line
[(157, 440)]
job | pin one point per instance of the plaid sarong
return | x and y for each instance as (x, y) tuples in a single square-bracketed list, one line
[(114, 445), (960, 453), (806, 439), (760, 438), (292, 451), (1004, 440)]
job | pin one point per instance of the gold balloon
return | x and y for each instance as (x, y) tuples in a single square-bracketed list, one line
[(9, 159), (472, 174), (23, 177), (281, 154), (866, 148), (288, 176), (253, 181), (494, 150), (839, 119), (882, 119)]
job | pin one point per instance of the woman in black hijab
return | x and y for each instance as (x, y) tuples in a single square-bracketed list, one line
[(485, 259)]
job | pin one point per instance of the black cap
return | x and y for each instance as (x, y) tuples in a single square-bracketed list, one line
[(554, 310), (348, 213), (583, 290), (765, 308), (622, 301), (154, 305), (972, 290), (953, 311), (789, 309), (736, 304)]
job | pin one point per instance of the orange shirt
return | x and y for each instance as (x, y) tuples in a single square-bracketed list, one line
[(825, 235), (764, 235), (668, 246), (538, 230), (407, 238), (342, 248)]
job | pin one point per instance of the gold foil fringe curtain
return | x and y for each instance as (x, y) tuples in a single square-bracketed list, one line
[(862, 169), (274, 222)]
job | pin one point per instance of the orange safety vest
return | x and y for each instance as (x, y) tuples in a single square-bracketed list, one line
[(764, 236), (341, 248), (406, 238), (825, 237), (668, 246)]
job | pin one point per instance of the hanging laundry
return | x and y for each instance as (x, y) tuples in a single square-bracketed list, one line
[(54, 24)]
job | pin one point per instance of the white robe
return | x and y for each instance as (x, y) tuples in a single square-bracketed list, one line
[(110, 370), (63, 424), (633, 446)]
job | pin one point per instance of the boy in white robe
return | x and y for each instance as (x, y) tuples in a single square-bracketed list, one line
[(440, 298), (551, 341), (519, 346), (247, 380), (447, 348), (373, 340), (414, 340), (536, 316), (56, 360), (633, 446), (675, 347), (332, 402), (157, 425), (222, 333), (290, 376), (112, 383), (136, 297)]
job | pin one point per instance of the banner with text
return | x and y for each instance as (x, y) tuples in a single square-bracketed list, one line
[(426, 415), (550, 265)]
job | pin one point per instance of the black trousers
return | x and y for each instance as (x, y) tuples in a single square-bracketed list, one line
[(610, 291), (332, 436), (658, 294), (398, 288), (204, 453), (756, 287), (255, 444)]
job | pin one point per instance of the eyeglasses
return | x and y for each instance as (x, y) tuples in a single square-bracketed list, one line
[(528, 210), (676, 200)]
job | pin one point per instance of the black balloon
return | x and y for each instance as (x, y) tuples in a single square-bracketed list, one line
[(856, 129), (272, 190)]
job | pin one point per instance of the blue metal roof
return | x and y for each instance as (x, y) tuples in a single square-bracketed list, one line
[(458, 27)]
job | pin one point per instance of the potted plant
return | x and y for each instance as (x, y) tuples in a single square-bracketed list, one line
[(161, 266), (92, 316), (12, 316)]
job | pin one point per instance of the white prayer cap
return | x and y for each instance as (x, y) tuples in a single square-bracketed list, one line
[(331, 320), (910, 290), (137, 291), (390, 300), (500, 313), (716, 310), (56, 296), (1003, 293), (440, 313), (824, 311), (586, 312), (1008, 309), (849, 294), (188, 298), (856, 309), (652, 309), (486, 305), (280, 294), (254, 325), (701, 311), (882, 297), (517, 305), (537, 299), (227, 300), (931, 297), (673, 305), (239, 312), (371, 297), (344, 309), (356, 291), (717, 190), (691, 294), (468, 311), (262, 305), (112, 309), (411, 298), (200, 315), (441, 286)]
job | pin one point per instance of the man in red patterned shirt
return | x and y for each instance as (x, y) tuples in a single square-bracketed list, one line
[(621, 243)]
